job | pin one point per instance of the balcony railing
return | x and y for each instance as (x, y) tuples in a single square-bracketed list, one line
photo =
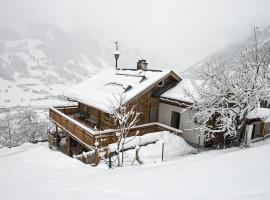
[(62, 116), (81, 133), (68, 110)]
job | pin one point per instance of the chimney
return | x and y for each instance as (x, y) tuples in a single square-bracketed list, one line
[(116, 54), (142, 64)]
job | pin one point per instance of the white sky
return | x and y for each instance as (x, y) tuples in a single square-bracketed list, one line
[(180, 32)]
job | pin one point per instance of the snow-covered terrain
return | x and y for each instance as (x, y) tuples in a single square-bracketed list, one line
[(174, 146), (31, 92), (37, 64), (36, 172)]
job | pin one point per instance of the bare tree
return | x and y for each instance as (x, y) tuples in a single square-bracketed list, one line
[(228, 93), (28, 125), (9, 128), (125, 117), (20, 126)]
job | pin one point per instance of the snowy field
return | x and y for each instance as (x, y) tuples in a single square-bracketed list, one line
[(31, 92), (36, 172)]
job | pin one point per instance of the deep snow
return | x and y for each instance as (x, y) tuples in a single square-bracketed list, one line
[(174, 146), (36, 172)]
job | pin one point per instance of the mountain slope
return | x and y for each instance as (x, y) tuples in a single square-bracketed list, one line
[(229, 53), (37, 63)]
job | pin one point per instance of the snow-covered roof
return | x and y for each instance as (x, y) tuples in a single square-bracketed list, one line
[(179, 91), (261, 113), (100, 90)]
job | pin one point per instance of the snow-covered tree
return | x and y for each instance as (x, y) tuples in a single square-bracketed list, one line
[(28, 125), (125, 117), (8, 130), (20, 126), (228, 93)]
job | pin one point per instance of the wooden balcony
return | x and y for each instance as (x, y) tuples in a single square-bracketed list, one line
[(74, 113), (62, 117), (67, 119)]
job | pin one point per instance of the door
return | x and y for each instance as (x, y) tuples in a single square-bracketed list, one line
[(153, 114), (175, 119)]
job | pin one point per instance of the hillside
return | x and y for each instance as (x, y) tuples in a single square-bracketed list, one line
[(229, 53), (37, 63), (36, 172)]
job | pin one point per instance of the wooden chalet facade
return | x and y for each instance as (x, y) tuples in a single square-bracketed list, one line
[(145, 102), (90, 121)]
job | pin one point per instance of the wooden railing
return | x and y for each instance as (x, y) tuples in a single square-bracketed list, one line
[(79, 132), (87, 136), (107, 137), (68, 110)]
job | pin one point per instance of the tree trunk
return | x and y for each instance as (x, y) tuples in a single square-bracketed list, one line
[(9, 133), (118, 151), (241, 130)]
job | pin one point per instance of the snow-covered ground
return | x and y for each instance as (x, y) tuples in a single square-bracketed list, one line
[(31, 92), (36, 172), (174, 146)]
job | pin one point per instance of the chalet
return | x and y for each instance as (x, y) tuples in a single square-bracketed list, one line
[(90, 119), (141, 87)]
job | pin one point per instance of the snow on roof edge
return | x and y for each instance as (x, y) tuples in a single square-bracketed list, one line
[(178, 93), (261, 113), (105, 108)]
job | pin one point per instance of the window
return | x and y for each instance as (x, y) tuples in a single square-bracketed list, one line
[(161, 83), (106, 117), (175, 119), (153, 114), (83, 109)]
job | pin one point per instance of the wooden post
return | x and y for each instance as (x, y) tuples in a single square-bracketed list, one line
[(162, 155), (110, 162), (96, 158), (69, 145), (56, 136), (137, 157), (83, 159)]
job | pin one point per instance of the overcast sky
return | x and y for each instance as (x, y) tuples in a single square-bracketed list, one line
[(181, 32)]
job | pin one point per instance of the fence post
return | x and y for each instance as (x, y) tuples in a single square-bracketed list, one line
[(96, 157), (69, 146), (110, 162), (162, 155), (56, 136)]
